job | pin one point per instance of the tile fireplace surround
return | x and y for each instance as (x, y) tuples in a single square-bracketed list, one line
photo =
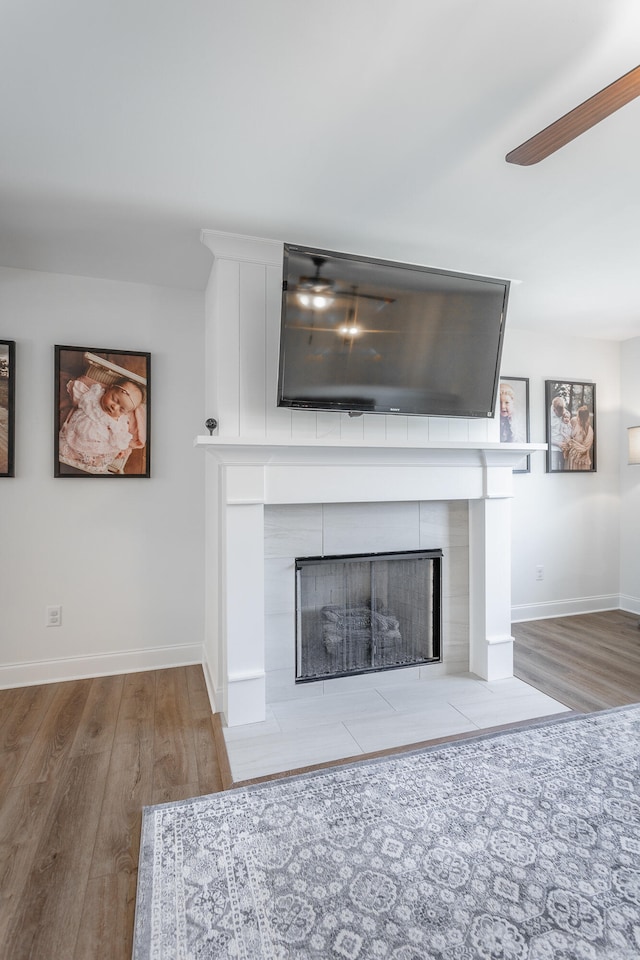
[(251, 475)]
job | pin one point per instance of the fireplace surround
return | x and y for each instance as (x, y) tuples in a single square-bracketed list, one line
[(263, 457), (246, 476)]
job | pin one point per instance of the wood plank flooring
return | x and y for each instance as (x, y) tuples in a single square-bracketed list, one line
[(79, 760), (588, 662)]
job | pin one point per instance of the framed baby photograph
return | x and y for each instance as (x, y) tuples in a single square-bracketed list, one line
[(571, 426), (514, 415), (102, 413), (7, 407)]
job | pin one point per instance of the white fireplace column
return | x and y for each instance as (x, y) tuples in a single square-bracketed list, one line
[(490, 639), (252, 474), (244, 695)]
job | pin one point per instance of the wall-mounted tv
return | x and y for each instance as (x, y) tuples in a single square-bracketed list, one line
[(374, 336)]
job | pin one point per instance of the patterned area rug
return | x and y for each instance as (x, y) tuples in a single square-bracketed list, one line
[(523, 845)]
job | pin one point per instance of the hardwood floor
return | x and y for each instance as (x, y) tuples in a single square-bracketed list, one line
[(79, 760), (588, 662)]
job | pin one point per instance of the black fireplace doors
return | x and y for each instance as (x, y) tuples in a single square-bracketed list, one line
[(362, 613)]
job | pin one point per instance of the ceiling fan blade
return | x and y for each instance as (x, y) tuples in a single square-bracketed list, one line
[(581, 118), (355, 295)]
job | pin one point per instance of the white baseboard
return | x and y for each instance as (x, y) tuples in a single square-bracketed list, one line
[(101, 665), (565, 608), (208, 679), (630, 604)]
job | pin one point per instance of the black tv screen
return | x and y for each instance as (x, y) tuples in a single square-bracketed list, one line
[(374, 336)]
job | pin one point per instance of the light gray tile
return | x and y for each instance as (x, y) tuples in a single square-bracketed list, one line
[(430, 695), (275, 754), (280, 641), (511, 687), (462, 680), (279, 585), (281, 685), (502, 710), (370, 527), (248, 731), (316, 727), (408, 728), (305, 722), (331, 708), (444, 524), (372, 681), (445, 669), (293, 530), (433, 671), (455, 573), (455, 614), (456, 656)]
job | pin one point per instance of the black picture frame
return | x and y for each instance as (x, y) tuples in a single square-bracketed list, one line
[(7, 408), (572, 435), (102, 424), (513, 394)]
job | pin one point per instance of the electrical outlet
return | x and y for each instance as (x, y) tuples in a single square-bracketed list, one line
[(54, 616), (540, 572)]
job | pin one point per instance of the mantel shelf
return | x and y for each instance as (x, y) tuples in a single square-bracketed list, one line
[(239, 450)]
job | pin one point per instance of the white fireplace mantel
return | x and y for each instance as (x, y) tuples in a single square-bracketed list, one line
[(463, 453), (314, 471), (252, 473)]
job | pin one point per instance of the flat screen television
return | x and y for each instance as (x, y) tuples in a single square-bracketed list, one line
[(373, 336)]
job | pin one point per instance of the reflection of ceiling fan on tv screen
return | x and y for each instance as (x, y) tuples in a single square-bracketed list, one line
[(581, 118), (318, 292), (406, 339)]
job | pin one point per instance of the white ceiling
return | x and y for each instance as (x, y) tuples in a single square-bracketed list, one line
[(375, 127)]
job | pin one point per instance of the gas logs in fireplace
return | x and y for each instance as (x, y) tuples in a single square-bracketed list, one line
[(363, 613)]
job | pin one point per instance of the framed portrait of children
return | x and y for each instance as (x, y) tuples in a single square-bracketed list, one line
[(102, 413), (571, 426), (514, 415), (7, 407)]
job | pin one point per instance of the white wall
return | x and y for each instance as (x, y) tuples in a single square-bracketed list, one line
[(630, 481), (568, 522), (124, 557)]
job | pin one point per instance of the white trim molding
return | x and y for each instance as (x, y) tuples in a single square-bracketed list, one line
[(569, 608), (29, 673)]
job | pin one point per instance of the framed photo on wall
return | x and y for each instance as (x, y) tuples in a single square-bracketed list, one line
[(571, 426), (103, 413), (7, 407), (514, 414)]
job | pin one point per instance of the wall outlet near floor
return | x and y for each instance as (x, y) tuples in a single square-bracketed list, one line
[(540, 572), (54, 616)]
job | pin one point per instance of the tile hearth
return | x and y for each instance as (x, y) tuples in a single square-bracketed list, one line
[(394, 713)]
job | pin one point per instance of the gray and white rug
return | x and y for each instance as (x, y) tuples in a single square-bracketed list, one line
[(523, 845)]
